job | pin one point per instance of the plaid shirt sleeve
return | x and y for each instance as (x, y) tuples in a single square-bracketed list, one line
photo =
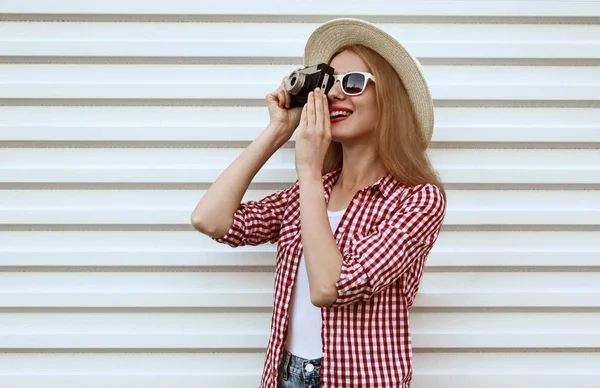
[(257, 222), (379, 259)]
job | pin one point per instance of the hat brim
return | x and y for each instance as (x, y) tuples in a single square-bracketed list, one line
[(327, 39)]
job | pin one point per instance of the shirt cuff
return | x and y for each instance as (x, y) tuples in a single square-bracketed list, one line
[(353, 285), (235, 235)]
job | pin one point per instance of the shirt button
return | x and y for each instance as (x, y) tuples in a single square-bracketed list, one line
[(342, 229), (309, 367)]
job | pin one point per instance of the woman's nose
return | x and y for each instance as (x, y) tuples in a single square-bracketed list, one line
[(335, 91)]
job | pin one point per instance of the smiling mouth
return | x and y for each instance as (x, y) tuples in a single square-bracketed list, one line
[(336, 116)]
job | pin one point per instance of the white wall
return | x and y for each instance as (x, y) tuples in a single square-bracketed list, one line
[(116, 116)]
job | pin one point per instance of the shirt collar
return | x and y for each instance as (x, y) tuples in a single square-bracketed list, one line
[(386, 184)]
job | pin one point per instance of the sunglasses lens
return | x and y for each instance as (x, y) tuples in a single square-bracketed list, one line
[(353, 83)]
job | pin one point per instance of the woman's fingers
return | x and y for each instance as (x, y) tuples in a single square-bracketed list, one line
[(311, 111), (287, 97), (303, 118), (326, 119), (315, 114), (318, 110), (281, 94), (281, 97)]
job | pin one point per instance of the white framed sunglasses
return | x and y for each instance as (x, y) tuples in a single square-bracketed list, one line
[(353, 83)]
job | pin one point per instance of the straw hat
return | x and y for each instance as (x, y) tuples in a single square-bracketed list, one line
[(337, 33)]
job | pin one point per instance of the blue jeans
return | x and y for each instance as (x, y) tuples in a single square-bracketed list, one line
[(296, 372)]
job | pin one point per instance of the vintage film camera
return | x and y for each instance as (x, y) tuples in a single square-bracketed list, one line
[(303, 81)]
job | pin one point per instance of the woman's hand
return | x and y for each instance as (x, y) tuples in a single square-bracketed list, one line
[(314, 135), (280, 113)]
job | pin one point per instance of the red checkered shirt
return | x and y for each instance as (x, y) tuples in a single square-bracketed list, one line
[(384, 236)]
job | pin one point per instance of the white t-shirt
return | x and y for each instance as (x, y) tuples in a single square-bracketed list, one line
[(304, 331)]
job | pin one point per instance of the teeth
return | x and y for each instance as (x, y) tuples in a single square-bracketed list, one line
[(339, 113)]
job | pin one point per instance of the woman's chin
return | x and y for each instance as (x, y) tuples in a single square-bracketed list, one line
[(341, 134), (338, 132)]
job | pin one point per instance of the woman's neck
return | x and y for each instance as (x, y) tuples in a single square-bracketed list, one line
[(361, 167)]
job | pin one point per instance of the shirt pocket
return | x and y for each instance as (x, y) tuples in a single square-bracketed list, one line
[(289, 234), (346, 244)]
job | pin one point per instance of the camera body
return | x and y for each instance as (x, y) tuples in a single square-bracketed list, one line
[(303, 81)]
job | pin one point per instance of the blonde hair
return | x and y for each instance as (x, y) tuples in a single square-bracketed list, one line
[(401, 147)]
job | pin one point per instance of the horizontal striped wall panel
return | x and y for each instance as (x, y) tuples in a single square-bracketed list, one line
[(238, 82), (219, 124), (254, 289), (172, 207), (560, 8), (286, 40), (188, 165), (457, 250), (217, 331)]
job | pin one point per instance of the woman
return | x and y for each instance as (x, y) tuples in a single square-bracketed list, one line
[(355, 229)]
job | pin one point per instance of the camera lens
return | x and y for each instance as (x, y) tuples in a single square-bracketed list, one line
[(295, 82)]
